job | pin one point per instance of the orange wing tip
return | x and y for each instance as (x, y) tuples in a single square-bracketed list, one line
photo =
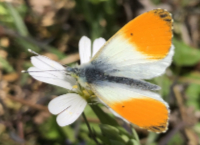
[(162, 129), (163, 13), (158, 129), (147, 113), (152, 39), (151, 129)]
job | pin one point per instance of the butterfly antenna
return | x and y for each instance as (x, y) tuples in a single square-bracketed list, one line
[(25, 71), (31, 51)]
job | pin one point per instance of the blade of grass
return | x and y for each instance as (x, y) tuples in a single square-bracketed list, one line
[(19, 23)]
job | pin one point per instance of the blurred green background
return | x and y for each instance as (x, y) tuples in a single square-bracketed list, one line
[(53, 28)]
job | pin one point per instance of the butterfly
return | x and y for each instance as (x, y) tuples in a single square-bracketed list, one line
[(142, 49), (139, 51)]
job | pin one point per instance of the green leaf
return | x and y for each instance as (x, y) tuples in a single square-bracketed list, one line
[(197, 128), (104, 117), (97, 1), (151, 138), (18, 21), (26, 44), (185, 55), (136, 136), (5, 65), (111, 132), (177, 139), (156, 2), (124, 132), (3, 10), (107, 129), (165, 83), (132, 142), (125, 137), (114, 142), (51, 130), (193, 93), (105, 140)]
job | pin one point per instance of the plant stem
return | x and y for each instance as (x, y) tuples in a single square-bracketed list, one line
[(135, 135), (90, 130)]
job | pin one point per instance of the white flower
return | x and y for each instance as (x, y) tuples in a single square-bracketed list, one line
[(69, 106)]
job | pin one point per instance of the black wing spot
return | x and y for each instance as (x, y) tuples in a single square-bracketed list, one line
[(163, 15), (168, 20), (162, 127), (131, 34), (123, 106), (156, 11), (155, 128)]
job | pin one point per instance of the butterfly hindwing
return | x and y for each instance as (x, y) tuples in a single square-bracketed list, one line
[(140, 107)]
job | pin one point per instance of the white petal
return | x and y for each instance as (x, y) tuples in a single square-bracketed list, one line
[(97, 44), (62, 102), (54, 78), (45, 63), (70, 107), (85, 49)]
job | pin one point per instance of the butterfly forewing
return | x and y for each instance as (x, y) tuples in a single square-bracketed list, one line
[(145, 41), (142, 49)]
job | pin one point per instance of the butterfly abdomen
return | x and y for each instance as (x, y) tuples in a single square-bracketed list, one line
[(93, 75), (132, 82)]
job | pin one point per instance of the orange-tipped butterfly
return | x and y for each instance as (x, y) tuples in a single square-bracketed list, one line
[(142, 49)]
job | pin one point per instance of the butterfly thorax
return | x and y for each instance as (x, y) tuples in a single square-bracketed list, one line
[(92, 74)]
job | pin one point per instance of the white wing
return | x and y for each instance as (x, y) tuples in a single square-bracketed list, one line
[(146, 70), (140, 107), (142, 49)]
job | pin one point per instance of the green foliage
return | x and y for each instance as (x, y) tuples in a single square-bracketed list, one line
[(113, 135), (100, 16), (197, 129), (17, 19), (104, 117), (185, 55), (111, 132), (177, 139), (5, 65), (94, 18), (156, 2), (13, 19), (164, 82), (193, 92), (51, 130), (132, 142)]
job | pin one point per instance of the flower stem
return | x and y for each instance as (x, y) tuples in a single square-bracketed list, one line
[(136, 135), (90, 130)]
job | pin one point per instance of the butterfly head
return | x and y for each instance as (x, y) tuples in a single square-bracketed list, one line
[(73, 71), (79, 74)]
